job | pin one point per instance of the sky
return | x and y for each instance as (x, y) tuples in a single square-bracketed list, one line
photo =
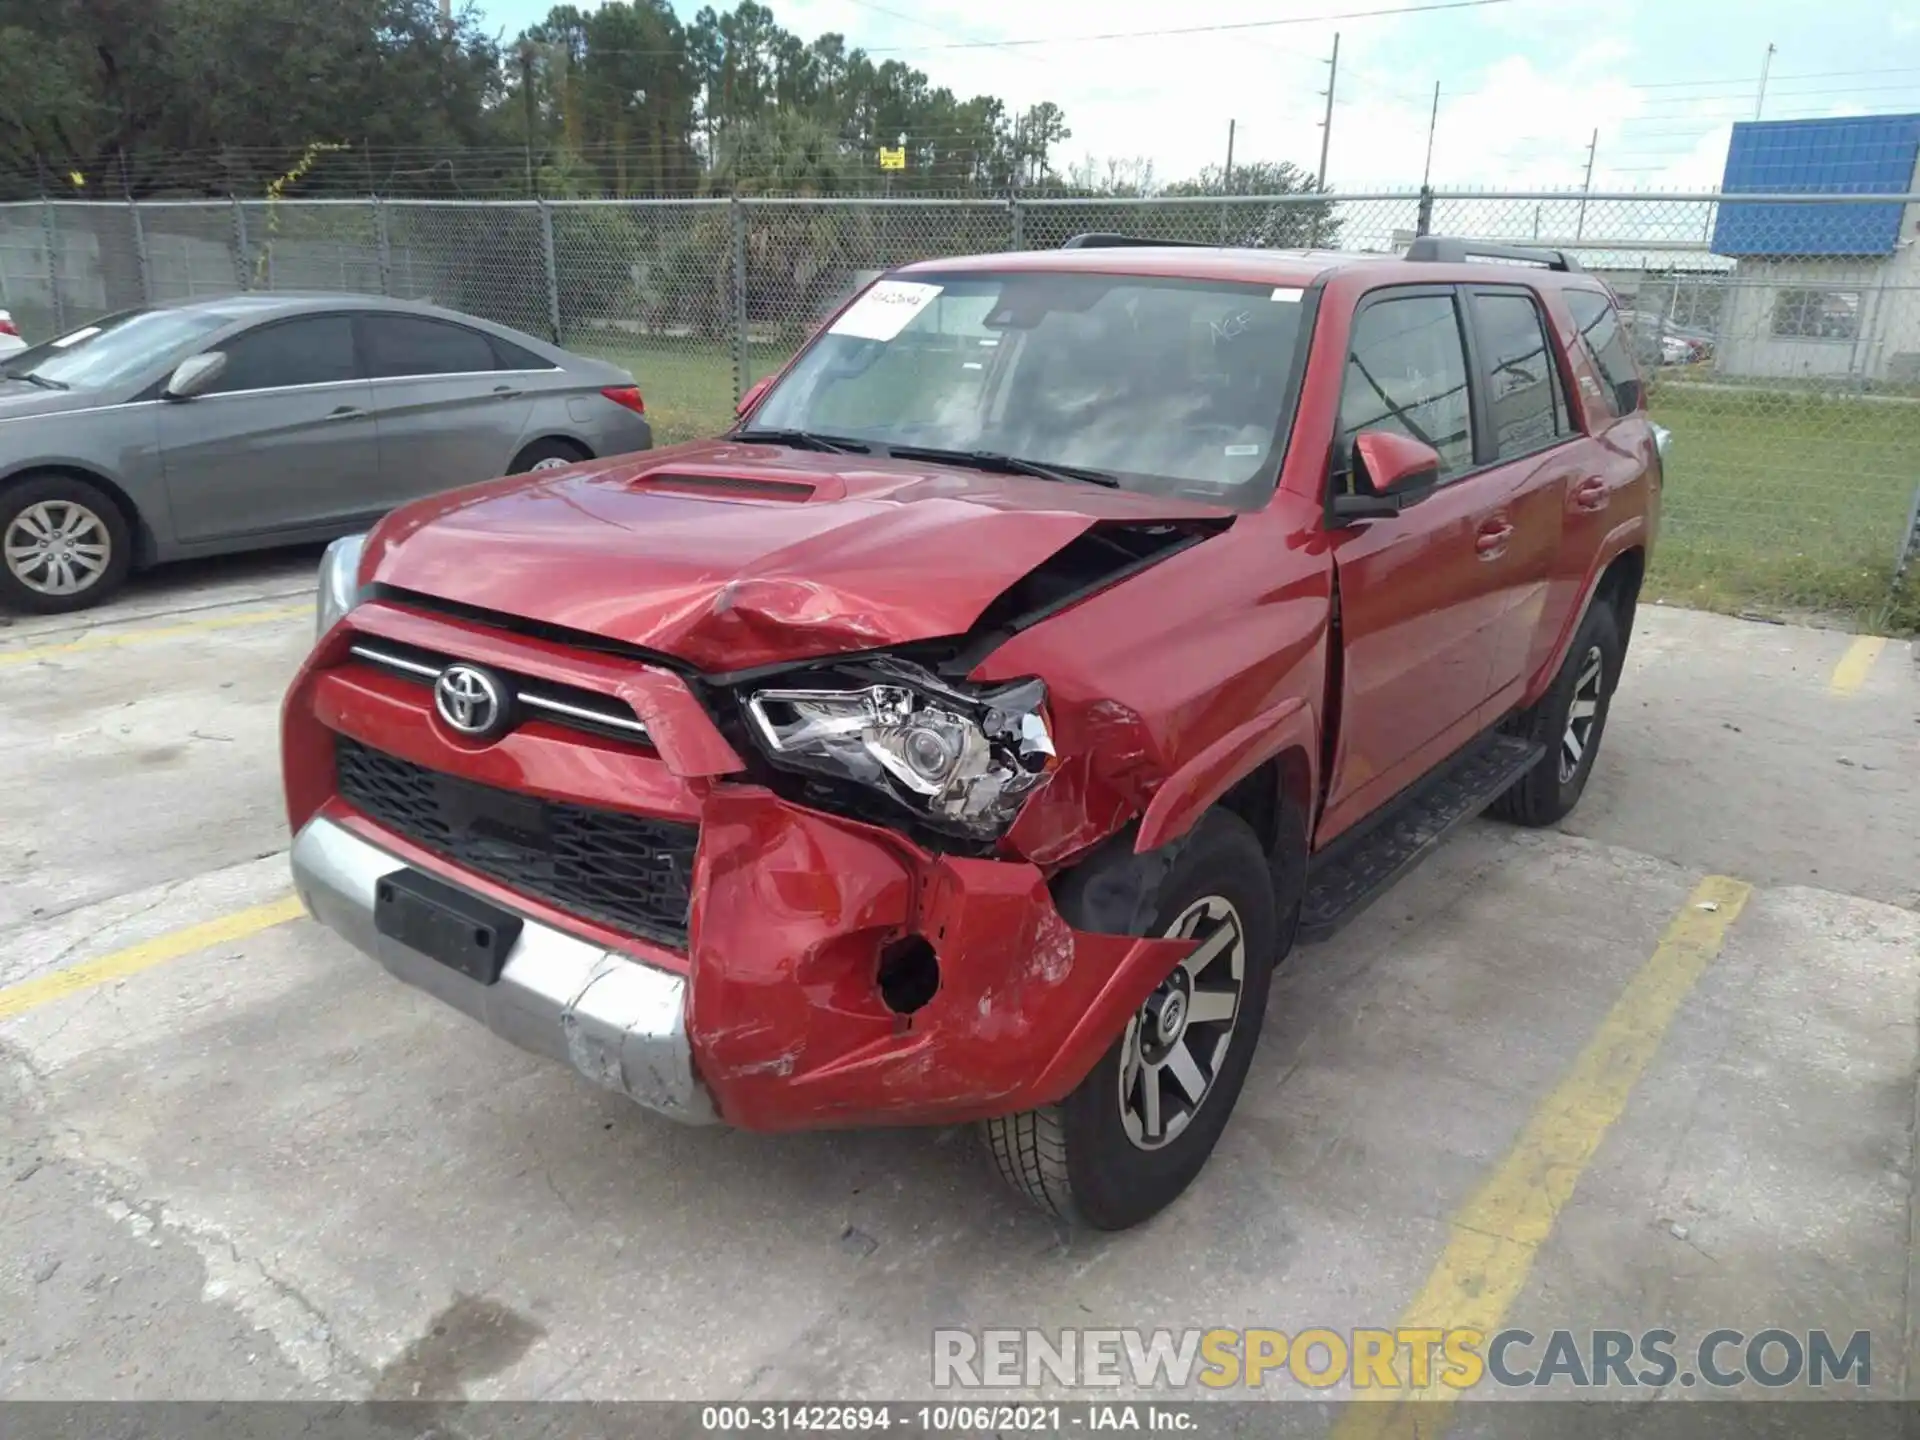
[(1524, 84)]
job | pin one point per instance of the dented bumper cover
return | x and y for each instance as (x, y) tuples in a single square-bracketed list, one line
[(773, 1016), (773, 1020)]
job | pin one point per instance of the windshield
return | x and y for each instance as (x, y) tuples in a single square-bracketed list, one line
[(1172, 386), (116, 349)]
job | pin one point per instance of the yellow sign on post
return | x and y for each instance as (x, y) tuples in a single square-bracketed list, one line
[(895, 159)]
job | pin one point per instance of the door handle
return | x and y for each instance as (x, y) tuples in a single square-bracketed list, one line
[(1491, 542), (1591, 494), (345, 412), (506, 392)]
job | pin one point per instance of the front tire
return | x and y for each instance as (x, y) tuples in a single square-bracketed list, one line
[(1137, 1131), (64, 545), (1569, 720)]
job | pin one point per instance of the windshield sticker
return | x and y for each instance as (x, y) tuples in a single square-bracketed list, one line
[(885, 310), (1289, 293), (1243, 449)]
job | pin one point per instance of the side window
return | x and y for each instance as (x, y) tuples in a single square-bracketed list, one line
[(311, 351), (400, 345), (1407, 372), (1522, 400), (517, 357), (1599, 324)]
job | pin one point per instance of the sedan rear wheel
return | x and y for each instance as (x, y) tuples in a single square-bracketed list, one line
[(63, 545), (553, 454)]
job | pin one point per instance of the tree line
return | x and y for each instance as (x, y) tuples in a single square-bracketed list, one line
[(109, 99)]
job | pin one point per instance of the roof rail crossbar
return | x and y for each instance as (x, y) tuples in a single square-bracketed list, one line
[(1446, 250), (1101, 240)]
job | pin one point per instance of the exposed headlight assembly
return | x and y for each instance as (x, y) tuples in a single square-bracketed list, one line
[(960, 757), (339, 582)]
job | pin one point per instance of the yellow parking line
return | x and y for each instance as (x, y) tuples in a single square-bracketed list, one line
[(1851, 673), (30, 994), (1496, 1235), (157, 632)]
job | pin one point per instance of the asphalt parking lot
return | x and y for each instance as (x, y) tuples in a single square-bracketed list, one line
[(1655, 1069)]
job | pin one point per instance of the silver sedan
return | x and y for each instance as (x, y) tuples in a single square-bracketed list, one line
[(250, 421)]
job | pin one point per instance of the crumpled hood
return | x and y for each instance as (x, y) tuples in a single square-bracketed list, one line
[(730, 556)]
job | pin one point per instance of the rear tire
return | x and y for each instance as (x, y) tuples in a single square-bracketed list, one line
[(64, 545), (551, 454), (1108, 1156), (1570, 720)]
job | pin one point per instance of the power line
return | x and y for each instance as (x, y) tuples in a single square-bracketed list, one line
[(1748, 79), (1240, 26)]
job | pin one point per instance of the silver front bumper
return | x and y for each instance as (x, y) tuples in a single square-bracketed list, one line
[(618, 1021)]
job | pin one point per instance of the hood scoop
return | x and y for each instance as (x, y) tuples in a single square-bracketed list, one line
[(727, 487)]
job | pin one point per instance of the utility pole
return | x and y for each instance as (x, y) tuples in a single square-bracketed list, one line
[(1766, 64), (526, 97), (1586, 186), (1326, 125), (1226, 180), (1433, 120)]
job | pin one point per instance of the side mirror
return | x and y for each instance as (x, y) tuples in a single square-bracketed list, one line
[(1629, 396), (752, 397), (193, 375), (1391, 471)]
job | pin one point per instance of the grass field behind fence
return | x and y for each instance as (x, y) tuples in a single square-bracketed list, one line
[(1775, 501)]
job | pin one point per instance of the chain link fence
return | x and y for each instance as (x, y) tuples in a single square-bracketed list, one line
[(1780, 334)]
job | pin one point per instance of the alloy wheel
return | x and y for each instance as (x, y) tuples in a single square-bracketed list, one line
[(1581, 715), (1175, 1046), (57, 547)]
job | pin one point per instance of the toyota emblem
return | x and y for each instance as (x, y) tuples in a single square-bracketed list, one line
[(472, 701)]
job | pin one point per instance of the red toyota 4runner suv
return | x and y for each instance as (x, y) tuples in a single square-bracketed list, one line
[(968, 734)]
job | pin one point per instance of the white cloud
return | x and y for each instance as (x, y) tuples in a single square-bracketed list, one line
[(1506, 118)]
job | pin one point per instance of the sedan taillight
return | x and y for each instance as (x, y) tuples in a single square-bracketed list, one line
[(627, 396), (7, 327)]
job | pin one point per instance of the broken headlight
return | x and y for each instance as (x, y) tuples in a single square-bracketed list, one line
[(961, 757)]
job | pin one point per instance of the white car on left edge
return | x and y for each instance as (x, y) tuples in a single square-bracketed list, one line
[(10, 341)]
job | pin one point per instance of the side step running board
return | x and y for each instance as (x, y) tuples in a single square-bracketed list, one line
[(1357, 869)]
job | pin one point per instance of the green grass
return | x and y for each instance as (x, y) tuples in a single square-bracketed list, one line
[(1786, 502), (1776, 501), (688, 384)]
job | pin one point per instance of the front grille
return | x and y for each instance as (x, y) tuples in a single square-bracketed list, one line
[(562, 704), (626, 872)]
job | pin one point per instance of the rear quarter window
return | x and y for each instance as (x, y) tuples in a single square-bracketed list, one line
[(1605, 339)]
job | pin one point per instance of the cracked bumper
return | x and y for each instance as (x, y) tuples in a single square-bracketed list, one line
[(618, 1021)]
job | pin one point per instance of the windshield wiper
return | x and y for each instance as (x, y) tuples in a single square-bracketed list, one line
[(805, 440), (45, 382), (1005, 464)]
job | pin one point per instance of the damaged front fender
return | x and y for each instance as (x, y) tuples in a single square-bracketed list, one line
[(795, 914)]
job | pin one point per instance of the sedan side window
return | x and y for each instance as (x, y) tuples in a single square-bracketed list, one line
[(399, 345), (313, 350), (1407, 372)]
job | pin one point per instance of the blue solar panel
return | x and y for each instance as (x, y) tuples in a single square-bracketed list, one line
[(1857, 155)]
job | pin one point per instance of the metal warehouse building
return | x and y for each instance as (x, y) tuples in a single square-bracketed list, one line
[(1822, 291)]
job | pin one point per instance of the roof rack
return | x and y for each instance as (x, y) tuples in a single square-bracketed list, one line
[(1445, 250), (1101, 240)]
